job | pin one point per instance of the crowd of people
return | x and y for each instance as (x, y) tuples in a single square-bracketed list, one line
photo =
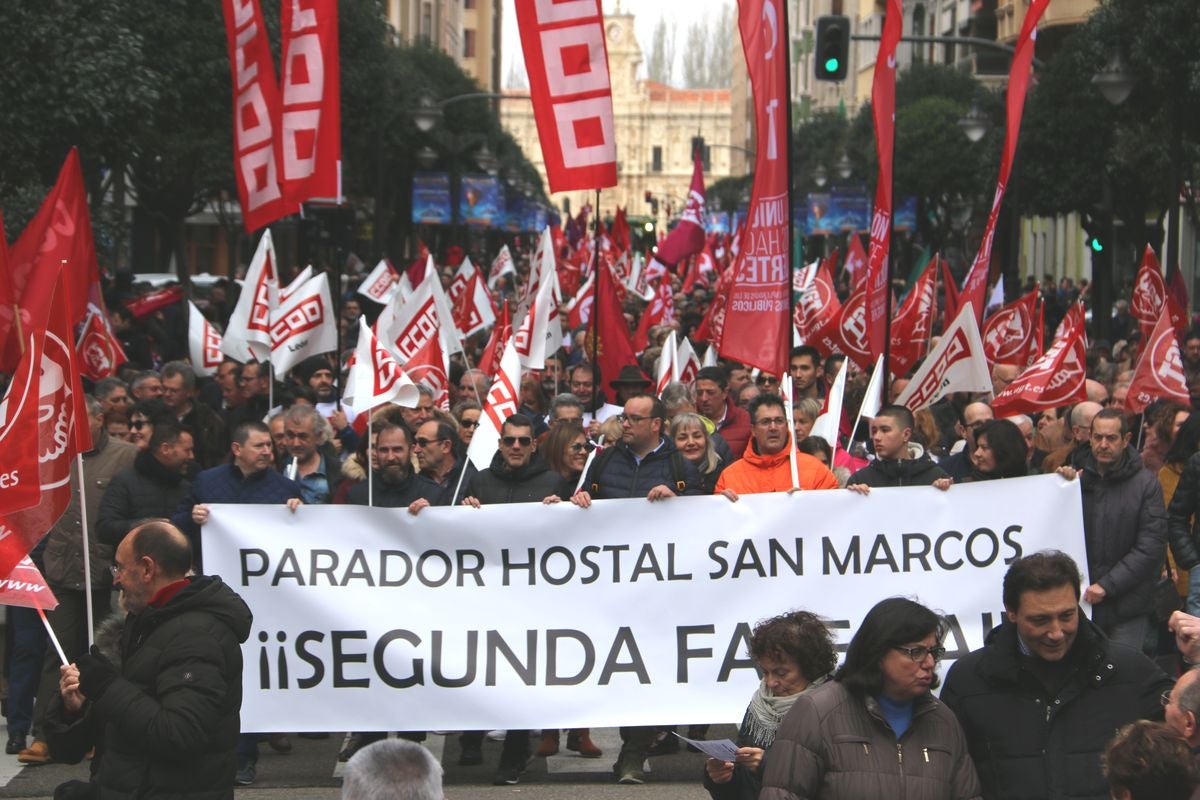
[(1029, 715)]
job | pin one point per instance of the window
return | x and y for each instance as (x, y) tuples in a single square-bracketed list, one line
[(468, 4), (468, 43), (656, 161)]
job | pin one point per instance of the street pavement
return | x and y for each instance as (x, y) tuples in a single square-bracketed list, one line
[(312, 772)]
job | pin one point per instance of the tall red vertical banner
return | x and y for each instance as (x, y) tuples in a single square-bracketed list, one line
[(975, 286), (567, 61), (255, 114), (757, 328), (310, 130), (883, 108)]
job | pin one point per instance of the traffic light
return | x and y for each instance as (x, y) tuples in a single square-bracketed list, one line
[(833, 47), (1093, 234)]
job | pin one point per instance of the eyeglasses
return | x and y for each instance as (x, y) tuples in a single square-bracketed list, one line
[(115, 569), (421, 442), (918, 653), (469, 423), (632, 419), (1165, 698), (509, 441), (776, 422), (138, 424), (580, 447), (764, 379)]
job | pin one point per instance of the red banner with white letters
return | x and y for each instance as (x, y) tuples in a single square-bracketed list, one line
[(913, 323), (757, 326), (883, 108), (1159, 374), (310, 127), (98, 351), (567, 61), (1013, 335), (255, 114), (1056, 379)]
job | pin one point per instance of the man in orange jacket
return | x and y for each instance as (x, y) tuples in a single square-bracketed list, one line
[(766, 465)]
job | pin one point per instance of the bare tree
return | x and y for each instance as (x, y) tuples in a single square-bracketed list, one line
[(660, 63), (722, 36), (695, 55)]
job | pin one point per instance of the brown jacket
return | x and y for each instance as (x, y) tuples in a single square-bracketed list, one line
[(834, 746), (63, 557)]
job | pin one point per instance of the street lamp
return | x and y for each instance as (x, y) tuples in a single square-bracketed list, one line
[(975, 124), (1115, 81), (820, 176), (427, 157), (844, 167), (427, 114), (487, 160)]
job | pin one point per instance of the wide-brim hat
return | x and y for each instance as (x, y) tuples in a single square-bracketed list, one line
[(629, 375)]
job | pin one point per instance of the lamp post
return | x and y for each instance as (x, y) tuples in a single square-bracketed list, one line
[(1115, 84)]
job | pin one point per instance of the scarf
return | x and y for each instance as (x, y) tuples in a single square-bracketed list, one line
[(766, 711)]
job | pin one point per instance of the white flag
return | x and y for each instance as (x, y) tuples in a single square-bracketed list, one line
[(502, 265), (502, 402), (448, 334), (473, 310), (375, 376), (997, 298), (204, 343), (381, 283), (303, 326), (829, 421), (304, 277), (540, 333), (710, 357), (248, 335), (957, 364), (668, 365), (687, 361)]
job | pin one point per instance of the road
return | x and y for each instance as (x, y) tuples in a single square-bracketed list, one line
[(312, 772)]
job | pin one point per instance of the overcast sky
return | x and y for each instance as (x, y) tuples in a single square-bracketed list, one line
[(648, 13)]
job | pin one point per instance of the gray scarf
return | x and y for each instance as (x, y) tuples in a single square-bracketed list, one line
[(766, 711)]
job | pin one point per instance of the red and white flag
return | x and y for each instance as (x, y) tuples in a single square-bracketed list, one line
[(856, 262), (472, 304), (310, 128), (204, 343), (451, 340), (375, 376), (975, 286), (913, 323), (851, 330), (818, 307), (757, 329), (303, 326), (700, 273), (26, 587), (502, 265), (579, 307), (957, 364), (502, 331), (1159, 374), (567, 63), (829, 422), (503, 400), (1013, 334), (1056, 379), (687, 237), (668, 364), (1073, 322), (660, 311), (19, 411), (540, 332), (98, 350), (428, 366), (380, 283), (687, 361), (1150, 296), (62, 433), (256, 112), (883, 109), (642, 275), (248, 335), (304, 277)]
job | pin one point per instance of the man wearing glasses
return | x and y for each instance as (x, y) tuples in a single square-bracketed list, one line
[(433, 446), (766, 464), (1041, 699), (645, 463)]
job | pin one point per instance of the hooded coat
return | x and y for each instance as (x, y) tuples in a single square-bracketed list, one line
[(500, 483), (755, 473), (916, 470)]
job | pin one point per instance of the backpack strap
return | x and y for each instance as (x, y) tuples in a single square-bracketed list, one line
[(677, 472), (598, 466)]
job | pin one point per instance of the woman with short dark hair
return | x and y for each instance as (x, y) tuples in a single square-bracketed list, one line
[(1000, 452), (876, 730)]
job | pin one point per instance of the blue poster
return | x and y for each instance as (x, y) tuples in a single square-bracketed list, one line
[(481, 201), (820, 216), (906, 215), (534, 218), (515, 214), (431, 198), (853, 209), (718, 222)]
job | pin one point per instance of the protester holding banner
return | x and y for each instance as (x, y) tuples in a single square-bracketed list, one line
[(898, 460), (713, 401), (695, 444), (765, 465), (1080, 420), (435, 445), (1040, 701), (318, 470), (152, 487), (880, 703), (794, 652), (1000, 452), (517, 474), (958, 465), (396, 485), (565, 448)]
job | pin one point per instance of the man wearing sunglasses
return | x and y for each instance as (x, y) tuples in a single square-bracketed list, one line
[(516, 475), (1041, 699), (434, 445)]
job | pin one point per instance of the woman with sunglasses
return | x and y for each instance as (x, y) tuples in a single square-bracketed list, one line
[(876, 730), (566, 448), (143, 415), (467, 414)]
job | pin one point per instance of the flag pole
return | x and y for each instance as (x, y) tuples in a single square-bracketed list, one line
[(791, 230), (270, 386), (337, 316), (87, 551), (458, 487), (20, 331), (790, 413), (50, 632), (370, 468), (595, 311)]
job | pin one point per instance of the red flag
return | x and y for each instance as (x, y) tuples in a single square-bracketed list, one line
[(818, 309), (620, 231), (758, 328), (501, 333), (1159, 373), (687, 238), (427, 365), (473, 305), (61, 231), (19, 486), (850, 334), (98, 350), (1071, 323), (1012, 335), (579, 307), (1149, 294), (713, 324), (660, 310), (609, 332), (26, 587), (975, 286), (255, 114), (567, 62), (950, 308), (914, 323), (856, 262), (62, 433), (1056, 379), (1176, 287), (8, 297), (310, 128), (702, 267), (883, 109)]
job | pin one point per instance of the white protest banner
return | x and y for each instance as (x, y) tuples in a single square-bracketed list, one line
[(470, 619)]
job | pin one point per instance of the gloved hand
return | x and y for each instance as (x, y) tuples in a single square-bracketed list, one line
[(96, 674)]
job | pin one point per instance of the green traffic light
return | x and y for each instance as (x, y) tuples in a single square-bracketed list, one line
[(1097, 246), (831, 65)]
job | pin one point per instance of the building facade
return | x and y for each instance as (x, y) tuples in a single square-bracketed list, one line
[(654, 128), (467, 30)]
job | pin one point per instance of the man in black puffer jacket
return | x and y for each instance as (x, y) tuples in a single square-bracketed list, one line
[(166, 722), (152, 487), (1041, 700), (898, 462), (1183, 529)]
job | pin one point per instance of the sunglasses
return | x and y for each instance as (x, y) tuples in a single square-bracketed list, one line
[(421, 442), (578, 447), (509, 441), (469, 423), (138, 424)]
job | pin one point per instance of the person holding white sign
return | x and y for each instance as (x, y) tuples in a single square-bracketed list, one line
[(898, 460), (876, 730), (794, 652)]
